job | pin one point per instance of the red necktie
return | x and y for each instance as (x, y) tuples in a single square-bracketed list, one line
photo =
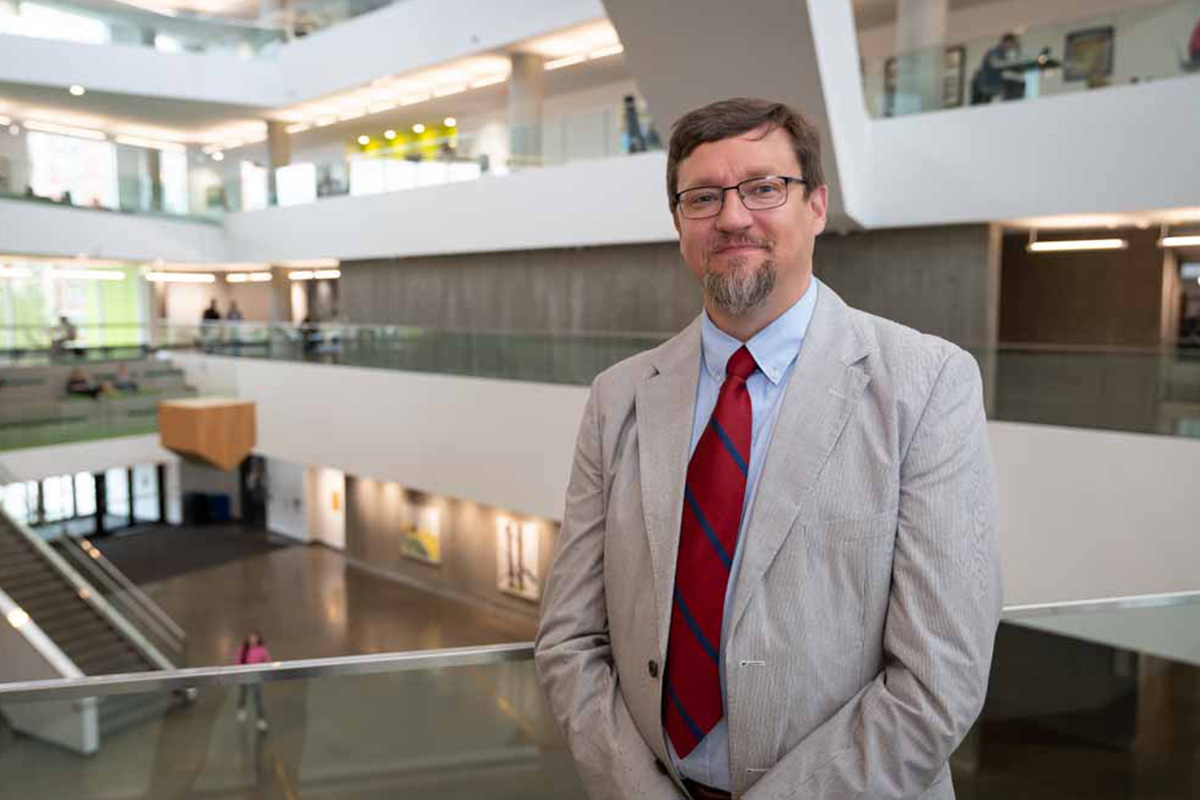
[(712, 514)]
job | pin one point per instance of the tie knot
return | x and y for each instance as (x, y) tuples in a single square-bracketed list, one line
[(741, 364)]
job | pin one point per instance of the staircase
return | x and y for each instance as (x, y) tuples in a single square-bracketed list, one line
[(91, 635)]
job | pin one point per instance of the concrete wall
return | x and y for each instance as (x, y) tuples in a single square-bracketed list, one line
[(940, 280), (378, 511), (287, 512), (195, 476), (1101, 298)]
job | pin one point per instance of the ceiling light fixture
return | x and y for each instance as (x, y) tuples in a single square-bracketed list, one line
[(150, 144), (605, 52), (325, 122), (327, 274), (389, 134), (489, 81), (64, 130), (77, 90), (1191, 240), (181, 277), (301, 275), (312, 263), (418, 128), (1076, 245), (87, 274), (450, 122), (16, 272), (364, 140), (249, 277), (299, 127), (568, 61), (15, 130), (218, 156)]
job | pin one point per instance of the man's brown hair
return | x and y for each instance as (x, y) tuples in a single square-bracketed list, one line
[(733, 117)]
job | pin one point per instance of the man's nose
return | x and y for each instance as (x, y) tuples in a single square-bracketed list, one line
[(734, 215)]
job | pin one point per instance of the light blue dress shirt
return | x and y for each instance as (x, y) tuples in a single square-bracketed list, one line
[(775, 349)]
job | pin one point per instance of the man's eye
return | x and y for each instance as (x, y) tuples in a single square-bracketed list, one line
[(702, 198)]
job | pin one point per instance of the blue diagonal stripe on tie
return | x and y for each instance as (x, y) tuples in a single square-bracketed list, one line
[(704, 526), (693, 727), (691, 622), (733, 451)]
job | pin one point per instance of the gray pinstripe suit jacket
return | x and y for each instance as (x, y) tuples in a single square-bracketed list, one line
[(861, 631)]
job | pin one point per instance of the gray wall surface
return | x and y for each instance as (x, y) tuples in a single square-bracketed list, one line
[(940, 280)]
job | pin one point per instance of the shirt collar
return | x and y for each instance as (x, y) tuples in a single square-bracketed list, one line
[(774, 348)]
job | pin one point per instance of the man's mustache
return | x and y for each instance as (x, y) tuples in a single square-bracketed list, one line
[(738, 241)]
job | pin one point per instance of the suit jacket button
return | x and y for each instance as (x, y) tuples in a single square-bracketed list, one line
[(653, 667)]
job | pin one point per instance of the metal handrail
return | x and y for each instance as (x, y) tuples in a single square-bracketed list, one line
[(133, 599), (342, 666)]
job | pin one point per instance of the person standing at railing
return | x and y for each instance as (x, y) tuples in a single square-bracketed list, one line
[(995, 77), (62, 335), (778, 573), (208, 324), (253, 651)]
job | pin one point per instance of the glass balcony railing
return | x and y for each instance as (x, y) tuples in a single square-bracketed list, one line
[(184, 182), (471, 722), (1135, 390), (178, 27), (1116, 48)]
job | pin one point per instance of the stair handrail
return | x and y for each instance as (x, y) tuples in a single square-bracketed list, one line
[(88, 594), (133, 599)]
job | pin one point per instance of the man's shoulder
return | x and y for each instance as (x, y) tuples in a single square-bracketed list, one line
[(911, 359), (627, 373)]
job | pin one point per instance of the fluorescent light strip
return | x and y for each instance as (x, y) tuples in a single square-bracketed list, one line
[(1180, 241), (64, 130), (491, 81), (299, 127), (605, 52), (569, 61), (5, 120), (325, 122), (249, 277), (302, 275), (181, 277), (327, 274), (312, 263), (87, 274), (16, 272), (150, 144), (1077, 245)]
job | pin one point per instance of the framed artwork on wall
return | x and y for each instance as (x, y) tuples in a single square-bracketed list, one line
[(1088, 54), (953, 60), (517, 558), (421, 539)]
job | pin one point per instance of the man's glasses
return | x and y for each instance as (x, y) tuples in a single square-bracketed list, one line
[(757, 194)]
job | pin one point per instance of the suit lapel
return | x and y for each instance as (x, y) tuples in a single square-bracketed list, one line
[(666, 403), (822, 391)]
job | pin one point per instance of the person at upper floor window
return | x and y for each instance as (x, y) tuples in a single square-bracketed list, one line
[(996, 76), (235, 313)]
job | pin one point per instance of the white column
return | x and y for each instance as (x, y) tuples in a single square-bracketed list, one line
[(920, 38), (525, 90)]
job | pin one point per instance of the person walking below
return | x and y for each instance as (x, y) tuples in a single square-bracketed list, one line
[(253, 651)]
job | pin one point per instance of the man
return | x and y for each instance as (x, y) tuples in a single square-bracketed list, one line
[(777, 575), (995, 78)]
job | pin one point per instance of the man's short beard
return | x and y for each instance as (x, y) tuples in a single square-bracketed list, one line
[(739, 289)]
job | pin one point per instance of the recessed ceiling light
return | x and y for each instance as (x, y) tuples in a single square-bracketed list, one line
[(364, 140), (15, 130), (218, 156), (418, 128), (1076, 245), (389, 134), (450, 122), (78, 90)]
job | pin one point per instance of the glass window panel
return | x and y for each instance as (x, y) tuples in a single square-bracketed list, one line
[(173, 173), (254, 186), (116, 491), (18, 502), (296, 184), (145, 492), (84, 168), (59, 502), (85, 494)]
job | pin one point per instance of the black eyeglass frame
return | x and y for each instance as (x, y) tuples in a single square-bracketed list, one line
[(787, 180)]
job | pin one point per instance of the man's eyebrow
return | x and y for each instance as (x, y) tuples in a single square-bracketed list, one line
[(756, 171)]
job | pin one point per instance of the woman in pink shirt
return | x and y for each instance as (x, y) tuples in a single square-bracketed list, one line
[(253, 651)]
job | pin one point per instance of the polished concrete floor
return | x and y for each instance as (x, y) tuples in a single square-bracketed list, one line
[(308, 601)]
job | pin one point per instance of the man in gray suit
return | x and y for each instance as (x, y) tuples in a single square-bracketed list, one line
[(778, 573)]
